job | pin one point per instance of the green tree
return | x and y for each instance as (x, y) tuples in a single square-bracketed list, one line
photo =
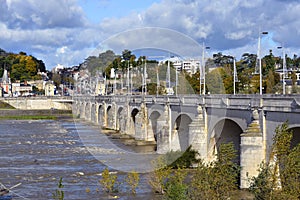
[(268, 63), (218, 179), (126, 54), (176, 188), (262, 186), (270, 83), (160, 175), (214, 81), (279, 179)]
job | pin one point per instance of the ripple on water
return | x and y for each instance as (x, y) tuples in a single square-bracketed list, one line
[(38, 153)]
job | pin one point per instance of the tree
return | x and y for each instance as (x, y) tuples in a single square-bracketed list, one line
[(176, 188), (270, 82), (126, 54), (218, 179), (268, 63), (160, 175), (280, 177), (56, 78), (214, 82)]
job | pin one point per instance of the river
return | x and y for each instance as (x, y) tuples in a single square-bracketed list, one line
[(36, 153)]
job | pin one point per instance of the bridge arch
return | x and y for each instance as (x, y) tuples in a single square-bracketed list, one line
[(154, 116), (225, 131), (110, 116), (87, 111), (120, 120), (132, 122), (180, 133), (296, 136), (93, 113), (134, 112), (82, 108)]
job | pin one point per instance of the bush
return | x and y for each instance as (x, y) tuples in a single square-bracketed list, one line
[(182, 159), (218, 179), (132, 180), (159, 176), (108, 181), (176, 188), (59, 194)]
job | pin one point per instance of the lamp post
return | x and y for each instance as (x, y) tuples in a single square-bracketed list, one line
[(259, 60), (202, 70), (235, 78), (283, 69), (145, 77)]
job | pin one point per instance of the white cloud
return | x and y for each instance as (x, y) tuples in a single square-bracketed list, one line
[(43, 27)]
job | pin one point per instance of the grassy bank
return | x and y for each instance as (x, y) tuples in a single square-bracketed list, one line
[(4, 105), (15, 114)]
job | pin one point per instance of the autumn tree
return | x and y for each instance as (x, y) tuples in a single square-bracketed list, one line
[(218, 179), (279, 178)]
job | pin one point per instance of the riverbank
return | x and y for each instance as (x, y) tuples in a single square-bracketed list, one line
[(16, 114)]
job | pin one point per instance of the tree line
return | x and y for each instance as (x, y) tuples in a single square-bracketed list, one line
[(219, 72), (21, 66)]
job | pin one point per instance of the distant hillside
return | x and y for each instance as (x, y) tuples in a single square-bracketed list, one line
[(20, 66)]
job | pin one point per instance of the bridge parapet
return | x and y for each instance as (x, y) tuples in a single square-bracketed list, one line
[(286, 104), (243, 102)]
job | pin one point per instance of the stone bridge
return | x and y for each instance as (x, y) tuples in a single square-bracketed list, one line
[(204, 122)]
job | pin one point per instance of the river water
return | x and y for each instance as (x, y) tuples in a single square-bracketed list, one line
[(37, 153)]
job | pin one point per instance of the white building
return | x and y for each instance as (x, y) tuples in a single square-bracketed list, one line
[(190, 66), (58, 68), (21, 89)]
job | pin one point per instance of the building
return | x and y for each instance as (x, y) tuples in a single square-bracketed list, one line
[(21, 89), (5, 84), (190, 66), (49, 88)]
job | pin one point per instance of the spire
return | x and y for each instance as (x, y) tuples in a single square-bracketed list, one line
[(5, 76)]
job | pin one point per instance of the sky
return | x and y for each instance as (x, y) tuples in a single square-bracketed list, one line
[(68, 31)]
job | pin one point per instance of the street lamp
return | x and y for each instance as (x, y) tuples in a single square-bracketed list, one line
[(235, 77), (145, 78), (259, 60), (202, 70), (283, 69)]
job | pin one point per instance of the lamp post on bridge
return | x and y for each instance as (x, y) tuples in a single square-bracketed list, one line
[(202, 70), (259, 59), (283, 69), (235, 77)]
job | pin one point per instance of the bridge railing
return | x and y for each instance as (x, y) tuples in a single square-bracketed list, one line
[(265, 102)]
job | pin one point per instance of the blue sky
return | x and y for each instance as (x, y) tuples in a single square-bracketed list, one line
[(68, 31), (97, 10)]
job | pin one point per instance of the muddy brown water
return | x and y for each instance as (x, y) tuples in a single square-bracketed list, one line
[(37, 153)]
